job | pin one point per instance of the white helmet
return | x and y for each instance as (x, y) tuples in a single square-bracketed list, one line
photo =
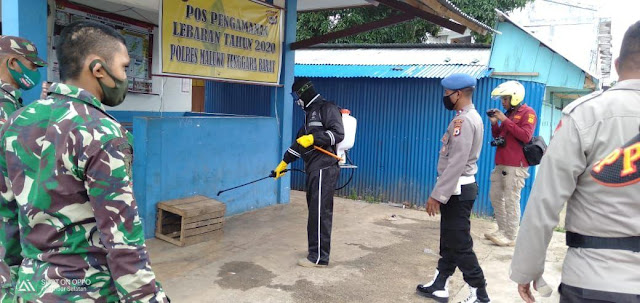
[(510, 88)]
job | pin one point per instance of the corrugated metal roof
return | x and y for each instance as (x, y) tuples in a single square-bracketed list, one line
[(412, 56), (457, 10), (450, 11), (400, 45), (389, 71)]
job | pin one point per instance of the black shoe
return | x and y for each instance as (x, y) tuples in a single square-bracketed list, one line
[(482, 295), (477, 295), (436, 289)]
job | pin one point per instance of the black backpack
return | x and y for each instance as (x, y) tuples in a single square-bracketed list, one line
[(534, 150)]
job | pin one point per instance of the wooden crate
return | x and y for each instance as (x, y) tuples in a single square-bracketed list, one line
[(190, 220)]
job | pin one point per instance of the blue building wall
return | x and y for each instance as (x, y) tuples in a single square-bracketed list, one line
[(181, 157), (201, 154), (517, 51), (400, 124), (126, 117)]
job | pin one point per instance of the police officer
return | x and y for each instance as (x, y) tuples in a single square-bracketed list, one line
[(66, 167), (323, 128), (592, 164), (455, 193), (19, 64)]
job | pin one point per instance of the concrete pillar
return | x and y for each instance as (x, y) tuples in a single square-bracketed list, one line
[(282, 102)]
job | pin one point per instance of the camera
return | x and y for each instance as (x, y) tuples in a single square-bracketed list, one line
[(499, 141), (491, 112)]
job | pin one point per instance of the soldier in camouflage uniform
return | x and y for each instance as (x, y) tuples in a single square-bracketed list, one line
[(67, 168), (18, 70)]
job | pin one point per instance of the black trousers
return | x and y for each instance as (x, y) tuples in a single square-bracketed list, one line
[(456, 245), (571, 294), (321, 185)]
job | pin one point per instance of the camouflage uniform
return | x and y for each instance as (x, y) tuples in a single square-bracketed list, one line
[(67, 168), (9, 243), (10, 101)]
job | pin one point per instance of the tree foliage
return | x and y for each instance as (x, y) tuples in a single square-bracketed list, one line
[(311, 24)]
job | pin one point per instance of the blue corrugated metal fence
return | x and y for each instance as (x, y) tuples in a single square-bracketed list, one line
[(239, 99), (400, 124)]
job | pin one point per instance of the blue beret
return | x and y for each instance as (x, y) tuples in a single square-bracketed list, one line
[(458, 81)]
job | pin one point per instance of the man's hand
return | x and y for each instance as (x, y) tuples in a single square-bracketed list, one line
[(305, 141), (525, 293), (433, 207), (493, 120), (499, 115), (277, 173)]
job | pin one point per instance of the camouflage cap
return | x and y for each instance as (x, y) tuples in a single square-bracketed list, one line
[(22, 47)]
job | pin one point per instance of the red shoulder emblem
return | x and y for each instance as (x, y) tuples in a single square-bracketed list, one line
[(558, 127)]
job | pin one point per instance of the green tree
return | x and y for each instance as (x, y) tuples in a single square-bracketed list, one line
[(313, 24)]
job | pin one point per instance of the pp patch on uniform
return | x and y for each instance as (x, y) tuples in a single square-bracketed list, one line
[(620, 167), (457, 126), (532, 118)]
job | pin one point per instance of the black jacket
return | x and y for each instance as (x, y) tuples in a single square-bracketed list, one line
[(324, 121)]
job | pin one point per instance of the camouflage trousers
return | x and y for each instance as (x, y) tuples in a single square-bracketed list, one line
[(506, 184)]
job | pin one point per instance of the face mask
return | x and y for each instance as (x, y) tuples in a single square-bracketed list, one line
[(26, 79), (112, 96), (297, 100), (448, 104), (297, 95)]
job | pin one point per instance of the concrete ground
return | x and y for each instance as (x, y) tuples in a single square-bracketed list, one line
[(374, 258)]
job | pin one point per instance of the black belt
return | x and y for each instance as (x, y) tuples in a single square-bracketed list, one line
[(581, 241)]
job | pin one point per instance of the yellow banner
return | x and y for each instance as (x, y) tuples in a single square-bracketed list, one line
[(221, 39)]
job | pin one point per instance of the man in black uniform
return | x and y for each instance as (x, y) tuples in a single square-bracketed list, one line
[(323, 128)]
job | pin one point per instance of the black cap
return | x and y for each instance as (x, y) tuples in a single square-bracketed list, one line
[(300, 83)]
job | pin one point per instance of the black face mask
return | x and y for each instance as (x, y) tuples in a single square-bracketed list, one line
[(448, 104)]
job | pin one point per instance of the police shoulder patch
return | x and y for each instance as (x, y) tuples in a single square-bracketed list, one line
[(457, 126), (619, 168)]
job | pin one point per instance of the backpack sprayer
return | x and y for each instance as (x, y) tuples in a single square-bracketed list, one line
[(350, 123)]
